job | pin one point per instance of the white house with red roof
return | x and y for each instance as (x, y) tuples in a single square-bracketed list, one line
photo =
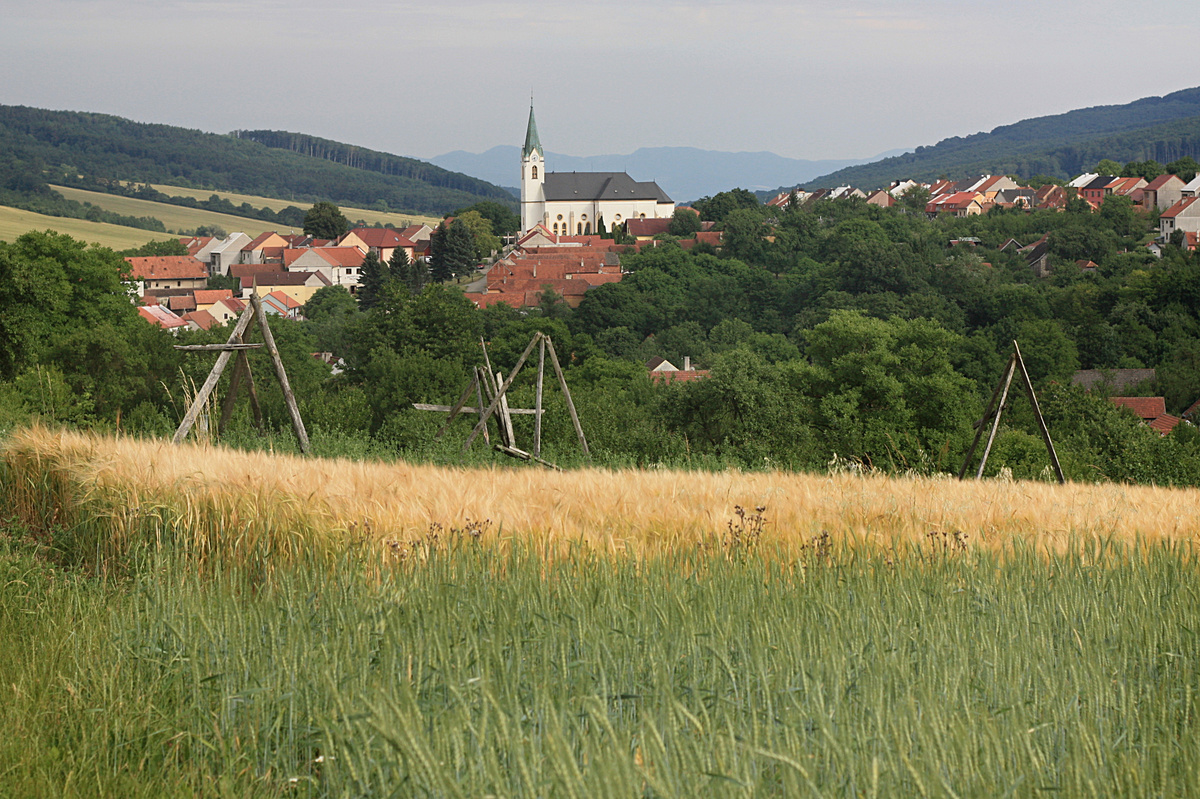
[(1183, 215), (165, 272), (341, 266)]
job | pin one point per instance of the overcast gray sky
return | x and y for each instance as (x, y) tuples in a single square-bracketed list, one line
[(806, 79)]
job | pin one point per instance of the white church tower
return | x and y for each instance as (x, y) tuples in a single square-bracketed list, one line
[(533, 177)]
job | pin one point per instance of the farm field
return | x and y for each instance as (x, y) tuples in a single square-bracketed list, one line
[(194, 620), (15, 222), (353, 214), (175, 217)]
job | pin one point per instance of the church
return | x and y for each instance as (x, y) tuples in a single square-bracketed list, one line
[(582, 203)]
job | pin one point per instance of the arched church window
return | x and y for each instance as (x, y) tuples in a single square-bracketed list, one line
[(578, 228), (587, 229), (535, 173), (555, 228)]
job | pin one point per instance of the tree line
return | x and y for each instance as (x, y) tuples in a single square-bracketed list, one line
[(838, 333)]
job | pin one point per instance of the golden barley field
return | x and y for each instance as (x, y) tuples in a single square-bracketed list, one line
[(292, 503)]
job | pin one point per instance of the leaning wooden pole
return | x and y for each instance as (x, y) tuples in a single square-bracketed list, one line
[(1037, 414), (500, 391), (979, 426), (537, 406), (288, 396), (202, 395), (562, 381), (987, 450)]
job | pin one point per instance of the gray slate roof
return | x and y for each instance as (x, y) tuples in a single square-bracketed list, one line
[(565, 186)]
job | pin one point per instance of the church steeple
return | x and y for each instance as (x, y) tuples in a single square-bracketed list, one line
[(532, 142), (533, 176)]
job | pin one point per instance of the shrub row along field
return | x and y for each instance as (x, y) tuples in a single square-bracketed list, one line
[(1043, 639)]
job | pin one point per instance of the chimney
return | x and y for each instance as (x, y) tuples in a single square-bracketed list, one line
[(687, 363)]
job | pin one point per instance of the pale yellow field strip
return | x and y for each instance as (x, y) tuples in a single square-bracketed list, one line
[(614, 511), (14, 222), (175, 217), (353, 214)]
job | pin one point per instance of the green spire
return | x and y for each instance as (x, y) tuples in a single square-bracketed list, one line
[(532, 142)]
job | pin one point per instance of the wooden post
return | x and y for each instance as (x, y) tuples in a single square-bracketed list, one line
[(479, 404), (987, 416), (537, 406), (235, 383), (202, 395), (500, 391), (288, 396), (1012, 366), (562, 381), (506, 429), (995, 409), (1037, 413)]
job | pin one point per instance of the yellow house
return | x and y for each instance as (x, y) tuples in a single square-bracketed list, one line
[(297, 285)]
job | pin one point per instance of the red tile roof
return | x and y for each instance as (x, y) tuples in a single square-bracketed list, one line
[(1165, 423), (380, 237), (209, 296), (246, 272), (201, 319), (1146, 407), (166, 267), (1160, 181)]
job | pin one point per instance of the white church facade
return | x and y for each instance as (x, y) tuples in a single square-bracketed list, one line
[(580, 203)]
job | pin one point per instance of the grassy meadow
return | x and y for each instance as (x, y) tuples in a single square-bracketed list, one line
[(15, 222), (198, 621)]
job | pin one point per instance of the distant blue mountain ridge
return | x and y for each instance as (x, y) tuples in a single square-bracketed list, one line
[(685, 173)]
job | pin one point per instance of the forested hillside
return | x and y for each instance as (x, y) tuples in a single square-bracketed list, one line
[(83, 149), (1154, 128)]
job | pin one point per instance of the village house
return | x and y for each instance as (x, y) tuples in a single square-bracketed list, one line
[(382, 241), (1162, 192), (1183, 215), (1151, 410), (154, 273), (300, 286), (227, 253), (341, 266)]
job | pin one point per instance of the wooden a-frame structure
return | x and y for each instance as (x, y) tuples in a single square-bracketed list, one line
[(236, 345), (496, 386), (994, 409)]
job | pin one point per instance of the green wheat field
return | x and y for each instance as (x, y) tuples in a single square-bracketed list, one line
[(215, 654)]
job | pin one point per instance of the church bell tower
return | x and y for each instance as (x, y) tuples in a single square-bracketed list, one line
[(533, 176)]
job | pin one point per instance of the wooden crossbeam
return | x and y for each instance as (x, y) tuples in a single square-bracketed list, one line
[(425, 406), (218, 347)]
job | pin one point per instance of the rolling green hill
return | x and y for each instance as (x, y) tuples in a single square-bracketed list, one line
[(1160, 128), (86, 150)]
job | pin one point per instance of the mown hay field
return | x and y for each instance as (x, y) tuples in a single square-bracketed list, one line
[(15, 222), (175, 217), (371, 217), (182, 621)]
